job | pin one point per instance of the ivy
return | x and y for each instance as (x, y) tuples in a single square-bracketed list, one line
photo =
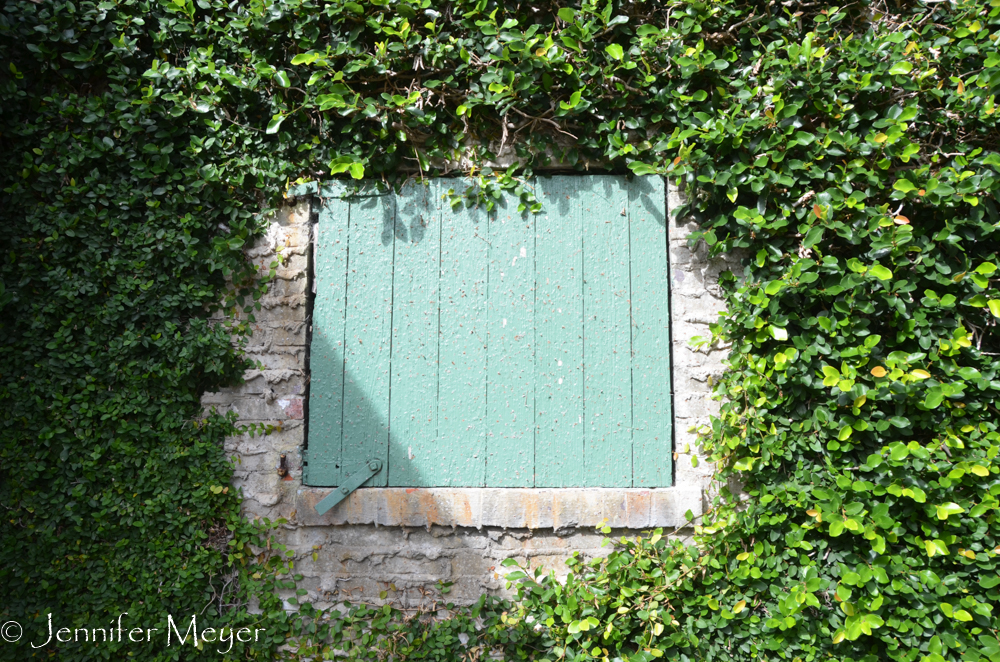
[(850, 154)]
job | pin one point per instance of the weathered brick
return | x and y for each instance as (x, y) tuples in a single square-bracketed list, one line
[(293, 334), (692, 405), (287, 359), (285, 287), (258, 409), (261, 487), (219, 399)]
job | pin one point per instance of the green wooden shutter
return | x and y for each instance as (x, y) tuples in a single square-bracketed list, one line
[(461, 347)]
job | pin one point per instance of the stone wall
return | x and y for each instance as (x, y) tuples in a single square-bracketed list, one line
[(412, 539)]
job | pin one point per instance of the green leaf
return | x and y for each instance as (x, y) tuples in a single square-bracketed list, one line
[(935, 396), (615, 51), (778, 333), (640, 169), (567, 14), (574, 100), (950, 508), (988, 582), (305, 58), (904, 185), (812, 237), (994, 306), (272, 126), (901, 68), (880, 272), (357, 170), (282, 78)]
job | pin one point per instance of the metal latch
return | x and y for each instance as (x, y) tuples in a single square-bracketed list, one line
[(369, 469)]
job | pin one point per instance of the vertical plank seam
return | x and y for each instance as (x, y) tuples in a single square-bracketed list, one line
[(534, 372), (631, 346), (486, 440), (392, 310), (670, 332), (583, 340), (343, 362), (440, 268)]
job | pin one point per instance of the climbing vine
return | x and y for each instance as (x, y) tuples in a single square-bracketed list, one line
[(850, 153)]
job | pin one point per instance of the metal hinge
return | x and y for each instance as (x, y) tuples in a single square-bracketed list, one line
[(368, 469)]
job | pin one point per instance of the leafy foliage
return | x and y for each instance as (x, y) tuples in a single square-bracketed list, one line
[(855, 161), (851, 153)]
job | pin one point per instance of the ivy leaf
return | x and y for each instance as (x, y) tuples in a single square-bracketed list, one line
[(305, 58), (640, 169), (574, 100), (880, 272), (272, 126), (567, 14), (989, 582), (950, 508), (935, 397), (812, 237)]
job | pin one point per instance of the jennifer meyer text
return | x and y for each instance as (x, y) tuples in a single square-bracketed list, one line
[(128, 633)]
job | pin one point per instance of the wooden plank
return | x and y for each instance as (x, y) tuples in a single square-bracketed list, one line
[(651, 406), (510, 440), (559, 436), (326, 360), (462, 382), (607, 339), (368, 334), (413, 407)]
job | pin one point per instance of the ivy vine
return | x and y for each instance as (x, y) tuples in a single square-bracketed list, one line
[(852, 153)]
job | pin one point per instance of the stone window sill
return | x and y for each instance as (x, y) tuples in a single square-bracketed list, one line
[(510, 508)]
